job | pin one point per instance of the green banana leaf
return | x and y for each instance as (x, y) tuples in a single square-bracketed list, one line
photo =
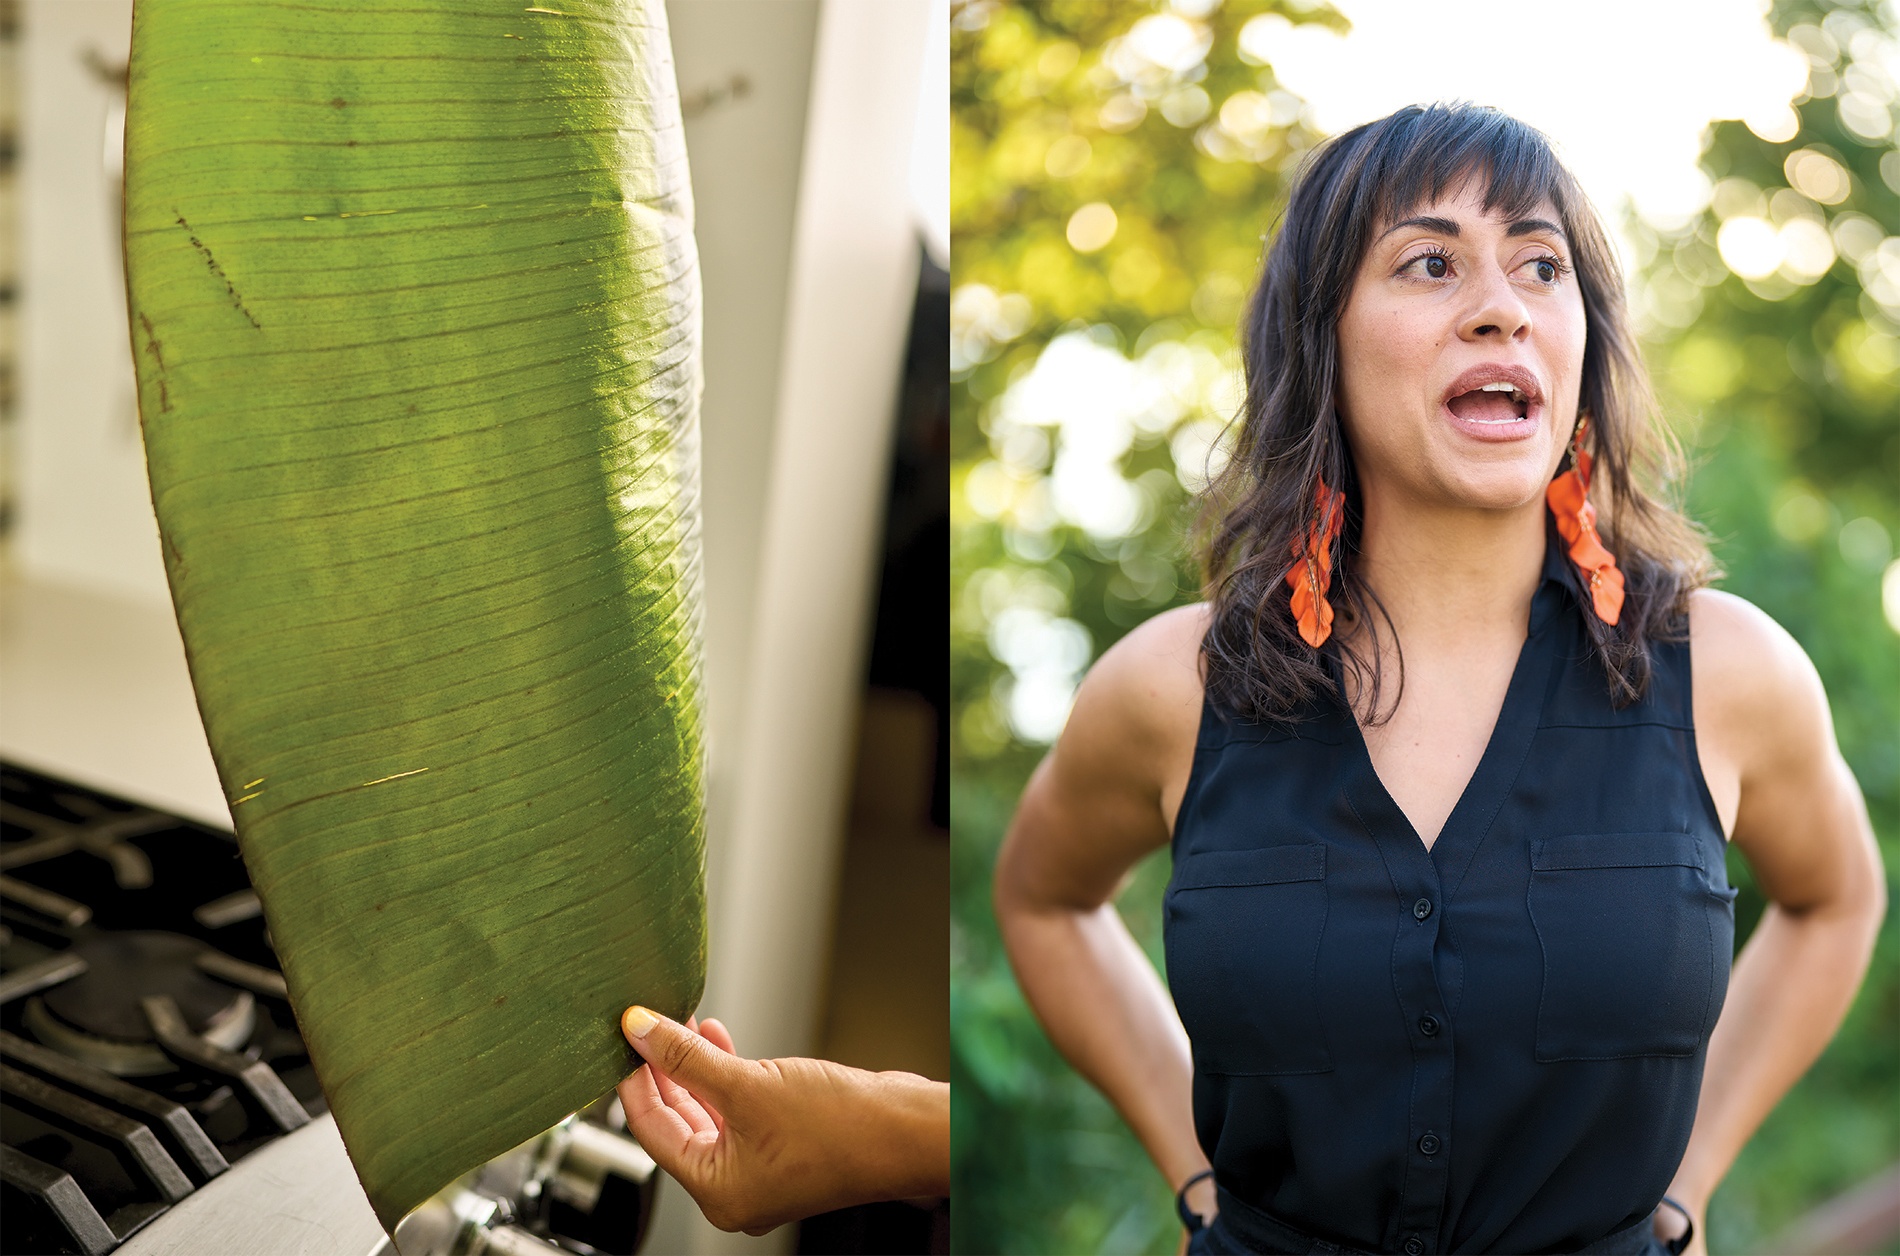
[(414, 303)]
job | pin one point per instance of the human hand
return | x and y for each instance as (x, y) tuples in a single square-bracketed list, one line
[(757, 1143)]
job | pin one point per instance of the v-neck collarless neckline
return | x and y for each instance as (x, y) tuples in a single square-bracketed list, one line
[(1498, 765)]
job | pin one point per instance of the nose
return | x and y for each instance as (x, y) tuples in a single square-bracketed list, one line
[(1497, 312)]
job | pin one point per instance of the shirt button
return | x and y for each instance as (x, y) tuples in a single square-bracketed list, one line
[(1428, 1144), (1422, 908), (1428, 1024), (1414, 1246)]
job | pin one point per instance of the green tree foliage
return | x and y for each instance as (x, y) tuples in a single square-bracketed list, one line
[(1115, 170)]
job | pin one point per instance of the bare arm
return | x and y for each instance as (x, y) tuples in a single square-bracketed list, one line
[(1103, 798), (1769, 754)]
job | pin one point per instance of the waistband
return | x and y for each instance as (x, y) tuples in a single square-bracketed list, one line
[(1241, 1230)]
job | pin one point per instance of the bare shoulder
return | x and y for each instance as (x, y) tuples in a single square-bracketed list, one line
[(1138, 711), (1769, 756), (1755, 690), (1149, 682)]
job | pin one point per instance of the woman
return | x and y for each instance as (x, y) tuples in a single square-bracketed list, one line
[(1448, 761)]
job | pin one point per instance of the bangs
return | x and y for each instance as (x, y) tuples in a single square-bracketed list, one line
[(1417, 155)]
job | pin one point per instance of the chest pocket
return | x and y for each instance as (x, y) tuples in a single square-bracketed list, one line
[(1637, 939), (1243, 930)]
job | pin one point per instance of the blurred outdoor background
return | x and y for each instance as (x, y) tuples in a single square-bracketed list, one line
[(1114, 170)]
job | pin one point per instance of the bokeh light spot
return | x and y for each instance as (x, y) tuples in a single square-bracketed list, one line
[(1865, 543), (1067, 157), (1775, 123), (1749, 246), (1806, 250), (1800, 516), (1093, 226), (1170, 41), (1184, 106), (1817, 176)]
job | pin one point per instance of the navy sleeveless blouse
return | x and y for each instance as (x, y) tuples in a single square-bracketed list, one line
[(1491, 1046)]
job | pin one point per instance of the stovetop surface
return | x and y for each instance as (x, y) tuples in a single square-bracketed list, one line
[(156, 1096), (146, 1042)]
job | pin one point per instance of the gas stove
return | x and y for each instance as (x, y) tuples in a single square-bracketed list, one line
[(156, 1096)]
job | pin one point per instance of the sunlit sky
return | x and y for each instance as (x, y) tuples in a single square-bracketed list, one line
[(1624, 87)]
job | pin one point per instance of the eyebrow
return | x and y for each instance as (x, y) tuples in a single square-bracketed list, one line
[(1445, 226)]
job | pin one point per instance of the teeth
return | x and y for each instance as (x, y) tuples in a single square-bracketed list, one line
[(1497, 387)]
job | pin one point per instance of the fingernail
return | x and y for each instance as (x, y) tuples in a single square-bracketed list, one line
[(637, 1022)]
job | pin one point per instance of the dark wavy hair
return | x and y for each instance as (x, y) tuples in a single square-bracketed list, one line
[(1289, 437)]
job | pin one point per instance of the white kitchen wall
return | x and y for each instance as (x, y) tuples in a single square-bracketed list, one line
[(781, 756), (85, 513)]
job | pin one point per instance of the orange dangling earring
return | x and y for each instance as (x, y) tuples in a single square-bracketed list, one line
[(1312, 571), (1569, 500)]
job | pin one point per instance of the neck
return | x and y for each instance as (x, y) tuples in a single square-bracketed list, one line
[(1452, 579)]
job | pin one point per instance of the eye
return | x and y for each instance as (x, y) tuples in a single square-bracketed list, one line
[(1549, 269), (1432, 263)]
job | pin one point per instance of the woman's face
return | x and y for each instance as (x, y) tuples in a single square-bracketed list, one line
[(1461, 356)]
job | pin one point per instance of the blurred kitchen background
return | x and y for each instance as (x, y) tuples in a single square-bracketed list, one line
[(817, 133)]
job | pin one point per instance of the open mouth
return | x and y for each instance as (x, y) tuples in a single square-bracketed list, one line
[(1493, 403)]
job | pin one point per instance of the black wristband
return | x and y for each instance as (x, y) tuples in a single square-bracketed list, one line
[(1190, 1218), (1680, 1244)]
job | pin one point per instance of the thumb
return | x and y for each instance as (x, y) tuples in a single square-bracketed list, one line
[(682, 1054)]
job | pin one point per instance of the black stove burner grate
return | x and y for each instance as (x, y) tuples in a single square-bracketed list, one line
[(146, 1040)]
